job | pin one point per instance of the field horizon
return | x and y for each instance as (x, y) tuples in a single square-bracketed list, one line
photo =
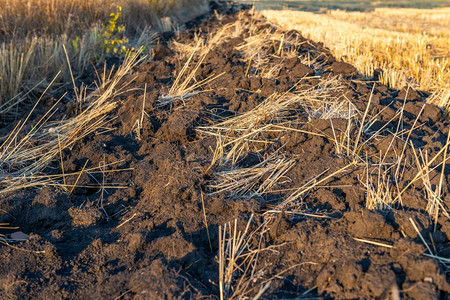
[(323, 6)]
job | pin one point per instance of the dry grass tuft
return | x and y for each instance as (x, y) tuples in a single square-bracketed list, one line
[(258, 50), (379, 192), (435, 193), (185, 85), (253, 181), (275, 115), (238, 262), (24, 155), (384, 181)]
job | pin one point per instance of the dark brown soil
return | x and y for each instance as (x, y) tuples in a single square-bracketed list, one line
[(148, 240)]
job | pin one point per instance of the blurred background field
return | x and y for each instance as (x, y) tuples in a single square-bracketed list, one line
[(33, 33), (349, 5), (407, 42)]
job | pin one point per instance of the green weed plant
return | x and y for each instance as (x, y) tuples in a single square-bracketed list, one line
[(113, 35)]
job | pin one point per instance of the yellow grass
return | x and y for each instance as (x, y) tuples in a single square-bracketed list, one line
[(22, 159), (33, 33), (25, 17), (184, 85), (411, 46), (238, 262), (247, 132)]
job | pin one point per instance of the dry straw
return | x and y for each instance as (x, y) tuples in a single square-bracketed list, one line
[(25, 154), (238, 262), (185, 85), (253, 181), (248, 131)]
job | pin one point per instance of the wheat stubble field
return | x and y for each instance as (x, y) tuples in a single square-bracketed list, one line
[(195, 150), (401, 46)]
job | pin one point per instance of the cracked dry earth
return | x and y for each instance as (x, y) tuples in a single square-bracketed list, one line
[(334, 174)]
